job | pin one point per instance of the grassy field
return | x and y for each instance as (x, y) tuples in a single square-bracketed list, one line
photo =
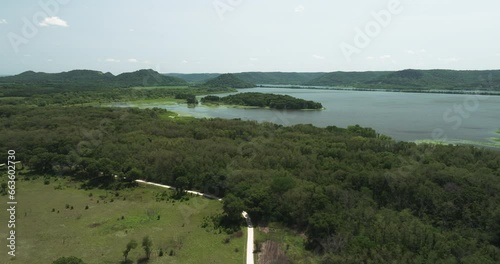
[(52, 221)]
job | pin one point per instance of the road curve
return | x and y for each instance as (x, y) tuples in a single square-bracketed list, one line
[(250, 241)]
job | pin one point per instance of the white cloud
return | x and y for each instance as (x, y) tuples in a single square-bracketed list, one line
[(133, 60), (3, 21), (131, 30), (50, 60), (53, 21), (370, 58), (254, 59), (318, 57), (111, 60), (410, 52), (498, 54), (184, 62), (384, 57), (299, 9)]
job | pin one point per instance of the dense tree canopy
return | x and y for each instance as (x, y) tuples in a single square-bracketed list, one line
[(228, 80), (264, 100), (358, 196)]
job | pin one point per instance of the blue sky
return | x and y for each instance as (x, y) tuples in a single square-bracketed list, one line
[(248, 35)]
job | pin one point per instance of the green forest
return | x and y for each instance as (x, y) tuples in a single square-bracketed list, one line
[(409, 80), (228, 81), (357, 196), (273, 101), (38, 83)]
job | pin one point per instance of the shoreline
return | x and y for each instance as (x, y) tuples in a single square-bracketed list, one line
[(333, 88)]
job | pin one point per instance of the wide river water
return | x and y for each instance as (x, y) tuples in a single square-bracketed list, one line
[(403, 116)]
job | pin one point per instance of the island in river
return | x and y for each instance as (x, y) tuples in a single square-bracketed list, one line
[(273, 101)]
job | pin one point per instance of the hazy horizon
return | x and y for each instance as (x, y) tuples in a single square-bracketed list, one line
[(221, 36), (3, 75)]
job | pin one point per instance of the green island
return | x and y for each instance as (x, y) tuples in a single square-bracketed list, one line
[(272, 101)]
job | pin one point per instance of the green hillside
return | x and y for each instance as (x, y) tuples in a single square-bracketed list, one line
[(345, 78), (228, 81), (146, 78), (414, 80), (29, 83), (293, 78), (195, 78)]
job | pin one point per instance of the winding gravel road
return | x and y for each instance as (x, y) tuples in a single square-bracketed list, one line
[(250, 241)]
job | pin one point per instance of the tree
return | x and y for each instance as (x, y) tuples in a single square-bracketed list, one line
[(181, 184), (130, 245), (68, 260), (233, 206), (147, 244), (133, 175)]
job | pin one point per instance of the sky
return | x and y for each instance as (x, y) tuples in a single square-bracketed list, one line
[(217, 36)]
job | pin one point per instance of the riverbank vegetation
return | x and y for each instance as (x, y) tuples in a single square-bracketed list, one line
[(357, 196), (273, 101)]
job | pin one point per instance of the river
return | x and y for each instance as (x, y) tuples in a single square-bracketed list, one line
[(452, 118)]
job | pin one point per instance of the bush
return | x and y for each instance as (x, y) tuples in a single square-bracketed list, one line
[(68, 260)]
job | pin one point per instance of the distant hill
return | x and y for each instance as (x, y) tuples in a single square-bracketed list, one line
[(31, 82), (147, 78), (195, 78), (228, 80), (293, 78), (414, 80), (345, 78)]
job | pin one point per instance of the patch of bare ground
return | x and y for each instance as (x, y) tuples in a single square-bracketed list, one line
[(270, 253)]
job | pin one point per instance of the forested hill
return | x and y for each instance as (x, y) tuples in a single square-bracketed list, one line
[(414, 80), (294, 78), (228, 81), (196, 78), (398, 80), (84, 80)]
